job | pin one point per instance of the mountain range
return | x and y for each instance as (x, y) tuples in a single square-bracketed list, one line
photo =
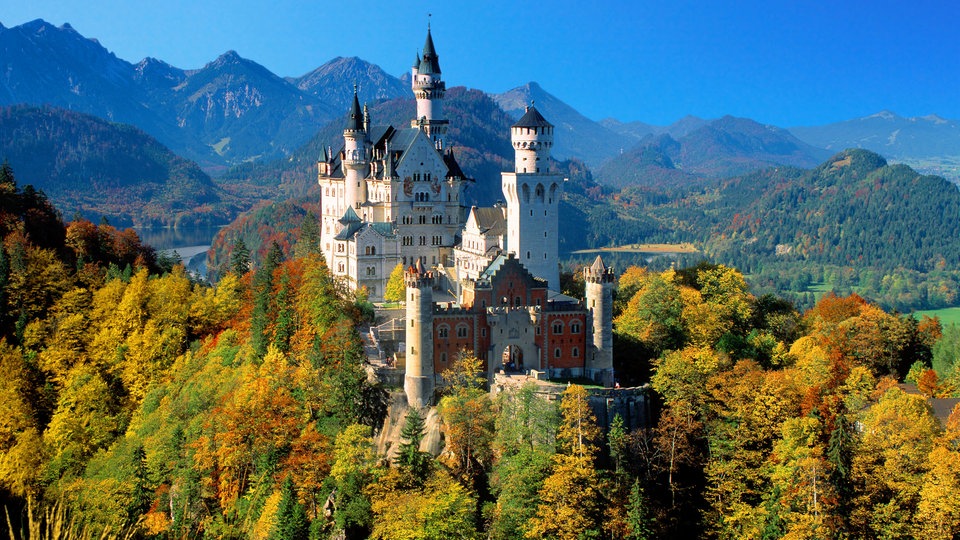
[(233, 110), (259, 135), (229, 111)]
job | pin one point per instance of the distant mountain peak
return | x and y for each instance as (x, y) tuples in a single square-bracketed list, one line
[(229, 57), (935, 118), (884, 115)]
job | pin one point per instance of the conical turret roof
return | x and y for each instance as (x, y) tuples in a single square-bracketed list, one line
[(532, 118), (355, 120), (598, 267), (430, 64)]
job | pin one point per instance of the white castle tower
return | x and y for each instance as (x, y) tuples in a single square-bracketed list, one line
[(533, 198), (428, 88), (599, 284), (356, 156), (419, 380)]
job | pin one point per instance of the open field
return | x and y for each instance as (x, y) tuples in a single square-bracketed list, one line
[(643, 248), (947, 315)]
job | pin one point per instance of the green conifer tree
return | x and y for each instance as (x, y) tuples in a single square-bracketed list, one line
[(639, 519), (291, 518), (409, 457), (239, 257)]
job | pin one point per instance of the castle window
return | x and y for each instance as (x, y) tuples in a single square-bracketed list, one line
[(462, 331), (371, 270), (556, 352), (483, 332), (443, 357), (528, 254), (339, 247), (557, 327), (423, 220), (370, 250), (575, 352), (443, 331), (340, 267), (423, 240), (575, 328)]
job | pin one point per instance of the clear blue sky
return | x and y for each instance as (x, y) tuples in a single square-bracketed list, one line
[(779, 62)]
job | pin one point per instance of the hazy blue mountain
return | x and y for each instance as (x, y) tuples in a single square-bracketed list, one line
[(635, 130), (721, 148), (333, 83), (98, 168), (243, 111), (229, 111), (684, 126), (576, 135), (928, 143), (42, 64)]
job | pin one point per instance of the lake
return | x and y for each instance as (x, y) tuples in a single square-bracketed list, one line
[(191, 244)]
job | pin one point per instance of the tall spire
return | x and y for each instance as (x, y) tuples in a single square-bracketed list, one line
[(355, 121), (431, 62)]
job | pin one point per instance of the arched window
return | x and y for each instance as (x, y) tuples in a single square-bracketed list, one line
[(556, 352), (461, 331), (575, 352), (443, 331), (558, 327), (575, 327)]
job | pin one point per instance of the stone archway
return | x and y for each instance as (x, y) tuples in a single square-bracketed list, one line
[(512, 358)]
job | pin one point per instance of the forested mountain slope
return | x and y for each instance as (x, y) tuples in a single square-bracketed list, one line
[(87, 165)]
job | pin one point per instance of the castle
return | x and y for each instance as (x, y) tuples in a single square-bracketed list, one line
[(481, 280)]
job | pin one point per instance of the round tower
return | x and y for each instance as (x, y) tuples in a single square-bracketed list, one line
[(532, 138), (418, 381), (356, 162), (429, 88), (599, 284), (533, 199)]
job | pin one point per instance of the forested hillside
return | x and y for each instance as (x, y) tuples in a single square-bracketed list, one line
[(137, 402), (854, 223), (96, 168)]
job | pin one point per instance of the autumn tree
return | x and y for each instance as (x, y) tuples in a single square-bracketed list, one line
[(524, 443), (888, 468), (396, 289), (354, 468), (571, 497)]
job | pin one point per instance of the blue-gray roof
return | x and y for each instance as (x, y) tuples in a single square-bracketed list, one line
[(532, 118), (430, 64), (355, 119), (348, 231), (350, 216)]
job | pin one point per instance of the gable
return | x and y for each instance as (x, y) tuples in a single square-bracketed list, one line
[(421, 156)]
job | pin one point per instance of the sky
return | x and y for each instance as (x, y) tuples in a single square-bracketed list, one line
[(782, 62)]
